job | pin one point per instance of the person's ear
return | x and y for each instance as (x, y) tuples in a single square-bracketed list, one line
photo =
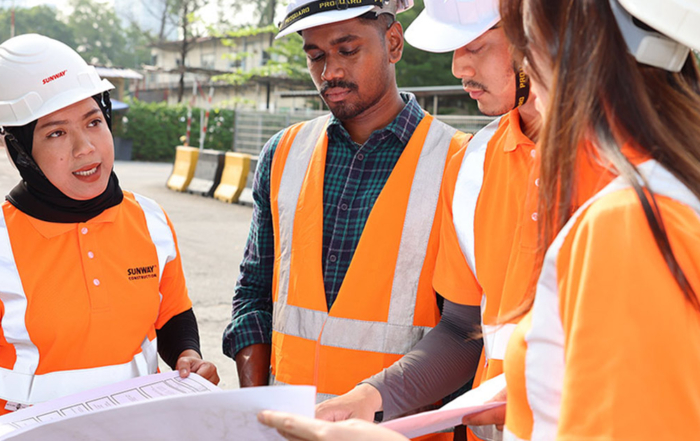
[(394, 42)]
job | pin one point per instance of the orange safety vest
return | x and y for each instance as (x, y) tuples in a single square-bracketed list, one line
[(41, 358), (386, 303)]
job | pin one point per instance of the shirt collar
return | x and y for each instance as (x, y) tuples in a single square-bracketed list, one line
[(515, 137), (52, 229), (402, 126)]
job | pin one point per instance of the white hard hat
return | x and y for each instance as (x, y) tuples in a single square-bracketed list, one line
[(305, 14), (446, 25), (39, 76), (675, 28)]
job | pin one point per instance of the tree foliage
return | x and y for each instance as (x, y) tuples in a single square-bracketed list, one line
[(285, 58), (156, 129), (41, 19), (92, 29), (420, 68)]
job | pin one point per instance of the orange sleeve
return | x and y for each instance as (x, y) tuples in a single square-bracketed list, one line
[(632, 340), (453, 279), (173, 287)]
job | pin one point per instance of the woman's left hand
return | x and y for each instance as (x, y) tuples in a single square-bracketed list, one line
[(299, 428), (190, 361)]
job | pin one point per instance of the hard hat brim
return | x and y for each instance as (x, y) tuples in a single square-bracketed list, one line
[(59, 102), (431, 35), (677, 19), (324, 18)]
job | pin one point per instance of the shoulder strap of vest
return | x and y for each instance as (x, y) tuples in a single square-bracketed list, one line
[(14, 301), (418, 223), (468, 189), (295, 166), (159, 230)]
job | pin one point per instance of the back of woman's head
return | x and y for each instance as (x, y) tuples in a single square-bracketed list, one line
[(598, 92)]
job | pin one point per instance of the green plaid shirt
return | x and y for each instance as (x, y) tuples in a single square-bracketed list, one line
[(354, 177)]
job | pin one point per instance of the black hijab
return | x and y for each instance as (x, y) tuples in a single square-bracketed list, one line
[(36, 196)]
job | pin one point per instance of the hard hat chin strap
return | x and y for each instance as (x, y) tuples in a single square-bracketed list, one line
[(522, 87)]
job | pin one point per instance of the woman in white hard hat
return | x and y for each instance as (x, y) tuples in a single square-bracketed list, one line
[(610, 349), (89, 275)]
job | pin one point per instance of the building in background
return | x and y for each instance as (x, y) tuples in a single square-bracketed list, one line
[(209, 57)]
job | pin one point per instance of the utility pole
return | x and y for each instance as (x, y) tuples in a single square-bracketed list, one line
[(12, 21)]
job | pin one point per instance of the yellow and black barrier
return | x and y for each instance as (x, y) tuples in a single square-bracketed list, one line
[(207, 174), (233, 178), (183, 169)]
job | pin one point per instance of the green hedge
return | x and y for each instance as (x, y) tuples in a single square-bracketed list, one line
[(156, 129)]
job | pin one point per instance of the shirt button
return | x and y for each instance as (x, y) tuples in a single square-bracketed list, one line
[(91, 254), (537, 182), (534, 216), (332, 258), (344, 207), (360, 156), (84, 230), (533, 153), (96, 282)]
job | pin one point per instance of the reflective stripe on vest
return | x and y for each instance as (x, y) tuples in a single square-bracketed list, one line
[(467, 190), (21, 384), (396, 335), (544, 371), (158, 228), (320, 397), (307, 326), (510, 436)]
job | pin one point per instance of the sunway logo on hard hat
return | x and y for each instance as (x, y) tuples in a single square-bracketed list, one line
[(54, 77)]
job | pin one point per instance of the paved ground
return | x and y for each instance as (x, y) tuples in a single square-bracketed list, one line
[(211, 236)]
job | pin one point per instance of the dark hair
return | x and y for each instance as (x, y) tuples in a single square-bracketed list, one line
[(599, 93), (381, 22)]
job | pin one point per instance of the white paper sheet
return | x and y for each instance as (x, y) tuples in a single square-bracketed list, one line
[(451, 414), (156, 407)]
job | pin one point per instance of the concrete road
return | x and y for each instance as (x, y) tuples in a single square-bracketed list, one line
[(211, 236)]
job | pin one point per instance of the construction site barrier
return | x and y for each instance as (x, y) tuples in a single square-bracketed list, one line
[(234, 177), (207, 175), (183, 169)]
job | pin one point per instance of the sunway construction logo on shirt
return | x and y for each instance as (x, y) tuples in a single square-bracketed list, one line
[(141, 272), (54, 77)]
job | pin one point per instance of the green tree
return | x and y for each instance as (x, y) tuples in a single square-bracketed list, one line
[(420, 68), (285, 57), (41, 19), (98, 33)]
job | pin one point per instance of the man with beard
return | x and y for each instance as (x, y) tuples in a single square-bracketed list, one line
[(488, 244), (335, 283)]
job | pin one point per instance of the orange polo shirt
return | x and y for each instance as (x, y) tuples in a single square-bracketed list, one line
[(611, 348), (505, 231), (92, 288)]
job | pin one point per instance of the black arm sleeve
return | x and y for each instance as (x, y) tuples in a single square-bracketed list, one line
[(178, 334), (442, 362)]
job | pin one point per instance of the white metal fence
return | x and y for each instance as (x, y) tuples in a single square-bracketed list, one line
[(254, 129)]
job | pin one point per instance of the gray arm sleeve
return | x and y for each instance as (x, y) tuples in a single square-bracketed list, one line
[(442, 362)]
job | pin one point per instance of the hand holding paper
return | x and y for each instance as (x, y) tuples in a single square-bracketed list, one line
[(495, 416), (361, 403), (473, 402)]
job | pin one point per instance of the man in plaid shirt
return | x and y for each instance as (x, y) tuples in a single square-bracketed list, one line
[(351, 59)]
